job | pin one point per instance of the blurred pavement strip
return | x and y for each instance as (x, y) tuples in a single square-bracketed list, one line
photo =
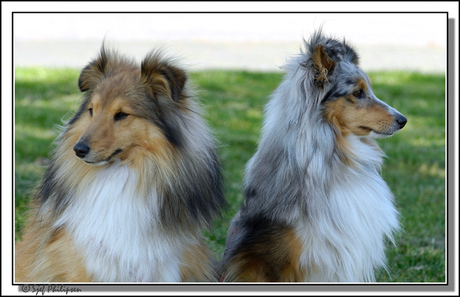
[(207, 54)]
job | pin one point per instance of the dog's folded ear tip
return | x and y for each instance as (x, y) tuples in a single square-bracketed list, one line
[(157, 70)]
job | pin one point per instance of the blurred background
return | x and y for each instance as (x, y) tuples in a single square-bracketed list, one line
[(235, 60), (252, 41)]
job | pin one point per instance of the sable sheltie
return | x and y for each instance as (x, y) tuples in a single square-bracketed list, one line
[(133, 180), (316, 208)]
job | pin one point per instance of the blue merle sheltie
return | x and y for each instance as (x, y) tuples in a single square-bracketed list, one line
[(316, 208), (133, 180)]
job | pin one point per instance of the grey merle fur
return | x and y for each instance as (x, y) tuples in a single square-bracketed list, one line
[(288, 177)]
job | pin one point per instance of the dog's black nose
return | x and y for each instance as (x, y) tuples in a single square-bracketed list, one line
[(401, 120), (81, 149)]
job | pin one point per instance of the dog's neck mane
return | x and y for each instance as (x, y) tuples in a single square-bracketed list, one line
[(307, 160), (119, 232)]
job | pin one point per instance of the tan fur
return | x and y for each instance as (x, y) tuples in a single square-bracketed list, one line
[(276, 258), (139, 139), (197, 264), (44, 256), (350, 116), (361, 84), (322, 64), (104, 135)]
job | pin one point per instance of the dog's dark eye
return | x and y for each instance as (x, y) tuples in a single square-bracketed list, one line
[(90, 112), (119, 116), (359, 93)]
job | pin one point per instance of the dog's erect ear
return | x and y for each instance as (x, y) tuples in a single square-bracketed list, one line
[(93, 72), (323, 65), (162, 77)]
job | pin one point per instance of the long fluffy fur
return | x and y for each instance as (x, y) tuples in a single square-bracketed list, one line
[(316, 207), (137, 212)]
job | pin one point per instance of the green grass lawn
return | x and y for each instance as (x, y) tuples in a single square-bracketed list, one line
[(233, 101)]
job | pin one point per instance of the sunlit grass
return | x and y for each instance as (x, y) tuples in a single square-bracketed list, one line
[(233, 103)]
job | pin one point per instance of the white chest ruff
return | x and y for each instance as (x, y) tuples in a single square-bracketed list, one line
[(117, 231), (345, 241)]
